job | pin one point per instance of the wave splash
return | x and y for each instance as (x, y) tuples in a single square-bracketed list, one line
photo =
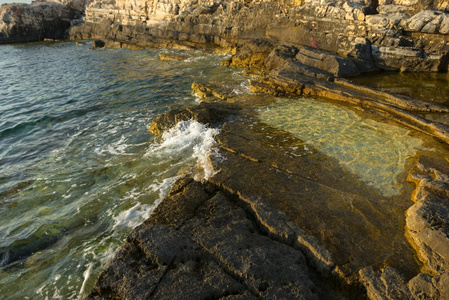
[(188, 140)]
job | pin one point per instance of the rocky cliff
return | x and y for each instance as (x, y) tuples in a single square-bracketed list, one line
[(389, 34), (406, 35), (38, 21)]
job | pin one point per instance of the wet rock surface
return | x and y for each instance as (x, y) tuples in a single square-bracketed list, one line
[(277, 223), (272, 223), (207, 113), (198, 244), (287, 72), (339, 228)]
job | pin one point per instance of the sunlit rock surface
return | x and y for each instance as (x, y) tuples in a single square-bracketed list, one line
[(274, 201), (394, 35)]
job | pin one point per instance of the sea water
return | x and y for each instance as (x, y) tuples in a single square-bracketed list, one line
[(376, 152), (79, 168)]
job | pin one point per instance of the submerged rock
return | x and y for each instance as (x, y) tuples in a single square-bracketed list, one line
[(172, 57), (427, 223), (271, 223), (287, 75)]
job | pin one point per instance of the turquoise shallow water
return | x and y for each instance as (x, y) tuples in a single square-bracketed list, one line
[(78, 166)]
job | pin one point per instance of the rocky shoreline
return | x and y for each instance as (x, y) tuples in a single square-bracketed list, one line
[(268, 224), (41, 20), (263, 203)]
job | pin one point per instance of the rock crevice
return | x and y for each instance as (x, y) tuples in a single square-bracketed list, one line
[(164, 256), (392, 35)]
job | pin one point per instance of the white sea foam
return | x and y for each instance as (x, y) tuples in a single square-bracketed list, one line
[(133, 216), (243, 88), (117, 148), (86, 275), (197, 98), (188, 139), (164, 186)]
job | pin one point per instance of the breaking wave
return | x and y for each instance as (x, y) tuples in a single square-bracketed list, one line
[(187, 141)]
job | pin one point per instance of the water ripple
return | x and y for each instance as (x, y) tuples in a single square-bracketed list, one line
[(75, 170)]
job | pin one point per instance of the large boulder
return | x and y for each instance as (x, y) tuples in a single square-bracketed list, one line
[(335, 64), (37, 21), (427, 222)]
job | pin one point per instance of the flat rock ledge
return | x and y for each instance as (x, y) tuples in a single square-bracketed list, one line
[(275, 225), (427, 228), (292, 70), (199, 244)]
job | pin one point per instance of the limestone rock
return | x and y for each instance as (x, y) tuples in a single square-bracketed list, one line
[(157, 262), (279, 55), (411, 59), (444, 26), (252, 55), (394, 9), (337, 65), (297, 188), (206, 113), (271, 269), (257, 27), (166, 56), (213, 250), (427, 220), (355, 10), (295, 78), (425, 286), (207, 90), (37, 21), (425, 21), (387, 284), (247, 236)]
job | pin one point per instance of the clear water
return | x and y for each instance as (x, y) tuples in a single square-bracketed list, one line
[(79, 168), (376, 152), (428, 87)]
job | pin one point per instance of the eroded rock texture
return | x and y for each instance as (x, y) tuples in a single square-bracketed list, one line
[(198, 244), (276, 223), (427, 219), (38, 21), (396, 35)]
